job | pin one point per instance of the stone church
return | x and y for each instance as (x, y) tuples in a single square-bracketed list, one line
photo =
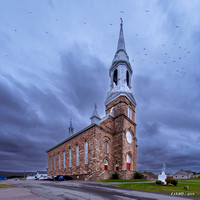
[(108, 144)]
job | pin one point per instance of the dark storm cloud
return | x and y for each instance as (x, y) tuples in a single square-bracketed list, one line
[(29, 120), (86, 78), (54, 61), (34, 119)]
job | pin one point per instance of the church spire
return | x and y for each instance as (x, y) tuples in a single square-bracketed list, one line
[(121, 42), (95, 119), (121, 54), (120, 73), (71, 129)]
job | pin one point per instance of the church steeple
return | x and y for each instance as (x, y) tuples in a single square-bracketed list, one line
[(121, 42), (120, 72)]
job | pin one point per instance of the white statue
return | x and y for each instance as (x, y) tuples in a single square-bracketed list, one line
[(163, 176)]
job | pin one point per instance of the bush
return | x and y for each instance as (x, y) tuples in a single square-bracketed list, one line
[(138, 175), (174, 182), (115, 176), (171, 181), (158, 182)]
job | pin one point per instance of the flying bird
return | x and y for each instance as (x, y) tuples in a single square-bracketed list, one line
[(121, 11), (111, 24), (84, 22), (177, 26), (163, 44), (146, 10), (144, 48)]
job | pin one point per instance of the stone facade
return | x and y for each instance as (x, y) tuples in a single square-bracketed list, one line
[(113, 131), (108, 144)]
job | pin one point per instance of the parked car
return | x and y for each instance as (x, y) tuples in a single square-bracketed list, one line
[(62, 178), (47, 178)]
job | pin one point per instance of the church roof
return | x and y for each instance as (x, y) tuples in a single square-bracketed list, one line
[(73, 136)]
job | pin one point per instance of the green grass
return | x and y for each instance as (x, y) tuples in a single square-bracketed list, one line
[(123, 180), (194, 189), (192, 180), (5, 186)]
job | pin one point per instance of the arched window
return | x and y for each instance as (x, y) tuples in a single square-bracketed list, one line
[(70, 157), (128, 162), (54, 162), (105, 165), (50, 163), (77, 155), (86, 152), (115, 76), (127, 78), (64, 166), (106, 147), (58, 160)]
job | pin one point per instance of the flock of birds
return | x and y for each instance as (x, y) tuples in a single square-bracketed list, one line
[(145, 53), (166, 58)]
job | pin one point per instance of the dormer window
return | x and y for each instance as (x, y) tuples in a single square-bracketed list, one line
[(115, 77)]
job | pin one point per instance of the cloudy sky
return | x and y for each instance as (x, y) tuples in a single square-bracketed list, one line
[(54, 62)]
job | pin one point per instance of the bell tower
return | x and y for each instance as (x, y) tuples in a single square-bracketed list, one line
[(121, 102)]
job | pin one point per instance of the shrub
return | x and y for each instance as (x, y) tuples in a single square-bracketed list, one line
[(138, 175), (115, 176), (158, 182), (171, 181), (174, 182)]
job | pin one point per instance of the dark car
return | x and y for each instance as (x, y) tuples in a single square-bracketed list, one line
[(62, 178)]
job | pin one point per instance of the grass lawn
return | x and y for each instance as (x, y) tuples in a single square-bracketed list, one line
[(192, 180), (5, 186), (123, 180), (194, 189)]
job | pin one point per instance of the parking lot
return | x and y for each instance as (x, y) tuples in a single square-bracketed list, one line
[(71, 190)]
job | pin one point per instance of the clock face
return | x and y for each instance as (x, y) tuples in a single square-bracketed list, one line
[(128, 137)]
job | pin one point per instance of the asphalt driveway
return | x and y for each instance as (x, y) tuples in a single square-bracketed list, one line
[(76, 190)]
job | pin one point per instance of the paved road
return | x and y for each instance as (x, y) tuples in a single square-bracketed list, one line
[(81, 190)]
